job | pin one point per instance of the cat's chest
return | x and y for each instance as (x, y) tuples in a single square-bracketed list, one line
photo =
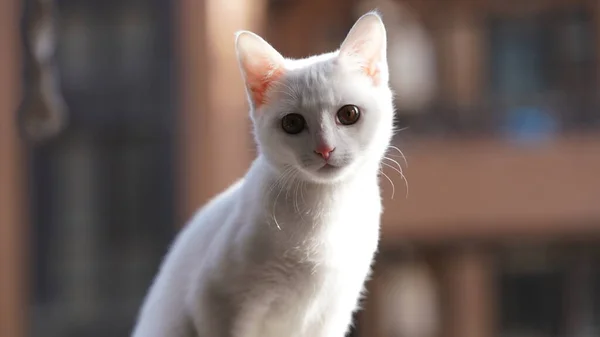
[(316, 261), (325, 273), (332, 233), (293, 210), (339, 235), (353, 213)]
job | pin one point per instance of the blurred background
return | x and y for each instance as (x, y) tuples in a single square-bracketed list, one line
[(119, 118)]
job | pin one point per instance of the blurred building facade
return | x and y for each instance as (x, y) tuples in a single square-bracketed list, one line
[(499, 234)]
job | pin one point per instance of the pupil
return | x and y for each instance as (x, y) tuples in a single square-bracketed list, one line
[(293, 123)]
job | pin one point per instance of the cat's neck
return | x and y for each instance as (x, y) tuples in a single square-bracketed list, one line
[(301, 210), (301, 213)]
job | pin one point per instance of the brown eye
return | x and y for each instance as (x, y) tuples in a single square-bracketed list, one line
[(293, 123), (348, 114)]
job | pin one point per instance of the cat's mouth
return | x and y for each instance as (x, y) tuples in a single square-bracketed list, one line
[(326, 173), (328, 168)]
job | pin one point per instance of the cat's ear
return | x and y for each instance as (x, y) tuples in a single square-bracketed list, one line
[(365, 47), (260, 64)]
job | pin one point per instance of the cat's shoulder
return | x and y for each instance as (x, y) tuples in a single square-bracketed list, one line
[(219, 204)]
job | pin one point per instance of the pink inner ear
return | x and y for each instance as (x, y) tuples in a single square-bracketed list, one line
[(260, 79), (369, 63), (374, 72)]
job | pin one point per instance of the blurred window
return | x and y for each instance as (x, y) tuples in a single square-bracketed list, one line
[(531, 304), (103, 192), (549, 290), (543, 74), (540, 73)]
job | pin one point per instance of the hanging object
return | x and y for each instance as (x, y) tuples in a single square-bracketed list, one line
[(411, 304), (43, 112), (411, 55)]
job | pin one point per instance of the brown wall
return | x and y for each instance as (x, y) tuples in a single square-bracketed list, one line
[(302, 28), (488, 188), (212, 98), (12, 188)]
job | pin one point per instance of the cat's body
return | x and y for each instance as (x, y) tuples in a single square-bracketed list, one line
[(285, 251)]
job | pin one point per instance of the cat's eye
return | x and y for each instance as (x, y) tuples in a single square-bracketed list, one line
[(293, 123), (348, 114)]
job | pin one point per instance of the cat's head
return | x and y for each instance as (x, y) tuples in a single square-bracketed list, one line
[(325, 116)]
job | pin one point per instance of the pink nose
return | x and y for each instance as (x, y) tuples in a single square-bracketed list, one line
[(324, 151)]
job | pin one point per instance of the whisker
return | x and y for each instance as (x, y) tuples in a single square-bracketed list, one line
[(401, 175), (392, 167), (391, 182), (287, 186), (276, 182), (302, 186), (296, 186), (401, 154), (281, 181), (394, 161)]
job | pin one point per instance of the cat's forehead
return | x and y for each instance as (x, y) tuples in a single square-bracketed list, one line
[(313, 86)]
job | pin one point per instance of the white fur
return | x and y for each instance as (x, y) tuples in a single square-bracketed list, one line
[(284, 252)]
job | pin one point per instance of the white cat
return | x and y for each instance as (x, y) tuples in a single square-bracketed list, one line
[(285, 251)]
